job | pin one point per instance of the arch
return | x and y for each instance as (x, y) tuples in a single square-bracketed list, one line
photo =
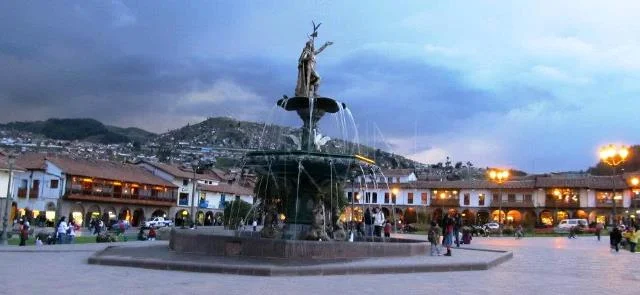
[(208, 218), (598, 216), (546, 218), (399, 215), (138, 217), (514, 217), (529, 218), (109, 214), (580, 214), (182, 217), (159, 213), (76, 213), (483, 216), (125, 214), (200, 218), (562, 214), (498, 216), (468, 217), (410, 215), (437, 215), (386, 212), (93, 213)]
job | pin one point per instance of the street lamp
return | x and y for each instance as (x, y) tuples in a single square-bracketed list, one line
[(394, 192), (193, 193), (614, 156), (7, 202), (499, 177), (635, 185)]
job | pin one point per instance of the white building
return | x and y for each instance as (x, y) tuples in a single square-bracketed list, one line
[(7, 172)]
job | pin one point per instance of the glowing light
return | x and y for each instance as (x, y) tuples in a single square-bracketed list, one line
[(634, 181), (116, 183), (283, 217), (87, 180)]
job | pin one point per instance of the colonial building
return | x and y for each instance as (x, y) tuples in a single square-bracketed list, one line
[(8, 172), (536, 200), (54, 186)]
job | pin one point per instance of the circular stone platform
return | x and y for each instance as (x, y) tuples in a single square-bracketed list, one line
[(209, 243)]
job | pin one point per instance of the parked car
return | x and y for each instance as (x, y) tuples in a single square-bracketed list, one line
[(492, 225), (567, 224), (158, 222)]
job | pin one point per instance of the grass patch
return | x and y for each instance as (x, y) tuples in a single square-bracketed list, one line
[(15, 241)]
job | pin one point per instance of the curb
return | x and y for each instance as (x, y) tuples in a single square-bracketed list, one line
[(309, 270)]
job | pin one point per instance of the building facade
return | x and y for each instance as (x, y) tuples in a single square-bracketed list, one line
[(532, 201)]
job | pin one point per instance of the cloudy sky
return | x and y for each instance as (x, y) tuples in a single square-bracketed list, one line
[(534, 85)]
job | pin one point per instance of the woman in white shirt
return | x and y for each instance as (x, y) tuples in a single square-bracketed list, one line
[(378, 221), (62, 230), (72, 232)]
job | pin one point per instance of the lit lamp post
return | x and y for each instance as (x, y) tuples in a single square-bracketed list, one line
[(7, 203), (614, 156), (635, 185), (193, 194), (394, 192), (499, 177)]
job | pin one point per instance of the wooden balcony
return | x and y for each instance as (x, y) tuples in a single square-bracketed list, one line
[(34, 194), (22, 193), (512, 204), (119, 199), (608, 204), (561, 204), (445, 202)]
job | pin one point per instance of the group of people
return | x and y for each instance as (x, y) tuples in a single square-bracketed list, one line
[(449, 231), (150, 236), (630, 237), (65, 233), (375, 223)]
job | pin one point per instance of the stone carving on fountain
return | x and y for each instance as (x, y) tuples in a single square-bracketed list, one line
[(306, 184)]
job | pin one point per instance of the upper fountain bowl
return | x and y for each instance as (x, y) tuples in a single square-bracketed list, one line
[(326, 104)]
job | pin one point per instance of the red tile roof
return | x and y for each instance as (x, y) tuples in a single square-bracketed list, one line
[(94, 169), (4, 163), (172, 169), (233, 189)]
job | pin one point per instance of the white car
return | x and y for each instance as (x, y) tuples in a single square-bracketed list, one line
[(492, 225), (567, 224), (158, 222)]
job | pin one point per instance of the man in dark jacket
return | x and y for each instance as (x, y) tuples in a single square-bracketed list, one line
[(615, 237), (368, 223)]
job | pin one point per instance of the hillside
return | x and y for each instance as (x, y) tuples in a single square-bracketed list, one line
[(229, 133), (80, 129)]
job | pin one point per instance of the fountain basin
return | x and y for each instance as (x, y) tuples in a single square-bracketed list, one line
[(189, 241)]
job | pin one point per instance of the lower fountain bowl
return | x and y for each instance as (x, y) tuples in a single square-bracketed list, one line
[(246, 245)]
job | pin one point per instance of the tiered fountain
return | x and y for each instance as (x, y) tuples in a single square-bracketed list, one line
[(303, 188)]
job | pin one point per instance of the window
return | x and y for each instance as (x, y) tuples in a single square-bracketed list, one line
[(349, 197), (356, 195), (374, 198), (410, 198), (223, 201), (367, 197), (423, 198), (481, 199), (54, 183), (183, 199), (386, 198), (467, 199), (389, 179), (185, 182), (393, 198), (23, 183), (511, 197), (496, 198), (528, 198)]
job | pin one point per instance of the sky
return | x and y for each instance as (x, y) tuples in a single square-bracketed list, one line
[(532, 85)]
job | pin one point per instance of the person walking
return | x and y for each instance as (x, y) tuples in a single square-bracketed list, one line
[(368, 223), (71, 232), (387, 229), (434, 238), (599, 228), (448, 234), (456, 228), (633, 239), (614, 238), (255, 225), (378, 222), (62, 228), (24, 233), (152, 233)]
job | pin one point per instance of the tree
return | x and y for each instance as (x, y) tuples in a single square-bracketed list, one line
[(234, 212)]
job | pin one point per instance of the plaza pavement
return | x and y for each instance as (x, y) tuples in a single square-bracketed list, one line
[(539, 266)]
